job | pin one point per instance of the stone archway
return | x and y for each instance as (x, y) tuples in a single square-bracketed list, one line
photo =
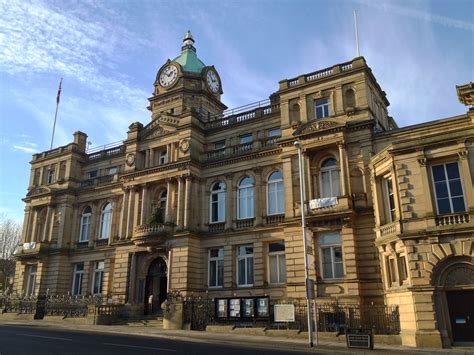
[(156, 286), (453, 279)]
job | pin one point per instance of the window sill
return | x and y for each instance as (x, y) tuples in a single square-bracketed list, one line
[(244, 286)]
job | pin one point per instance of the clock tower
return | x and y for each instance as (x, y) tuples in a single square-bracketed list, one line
[(186, 83)]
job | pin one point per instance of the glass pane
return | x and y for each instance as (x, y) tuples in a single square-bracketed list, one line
[(453, 170), (441, 189), (337, 254), (338, 270), (327, 255), (329, 162), (273, 269), (327, 271), (443, 206), (326, 187), (220, 273), (278, 246), (212, 274), (438, 173), (455, 187), (282, 268), (250, 270), (248, 307), (246, 139), (80, 267), (336, 188), (272, 208), (275, 176), (214, 212), (241, 272), (458, 204), (330, 238), (214, 253), (280, 198)]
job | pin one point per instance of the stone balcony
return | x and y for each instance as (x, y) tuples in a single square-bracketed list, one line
[(327, 206), (389, 229), (152, 234), (31, 250)]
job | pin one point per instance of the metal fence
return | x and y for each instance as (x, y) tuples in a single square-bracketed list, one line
[(201, 311)]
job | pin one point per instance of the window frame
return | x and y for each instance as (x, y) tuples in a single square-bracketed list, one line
[(277, 181), (162, 157), (331, 247), (216, 260), (278, 255), (245, 257), (51, 175), (98, 272), (31, 280), (80, 274), (326, 106), (221, 199), (450, 197), (104, 213), (246, 138), (391, 211), (330, 170), (249, 198), (87, 215)]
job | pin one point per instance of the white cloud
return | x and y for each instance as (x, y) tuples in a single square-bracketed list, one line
[(28, 150)]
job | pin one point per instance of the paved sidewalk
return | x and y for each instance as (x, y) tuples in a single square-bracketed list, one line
[(256, 341)]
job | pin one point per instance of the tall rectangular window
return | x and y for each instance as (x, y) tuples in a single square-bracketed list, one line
[(331, 255), (77, 279), (402, 267), (30, 280), (448, 188), (98, 277), (163, 157), (390, 199), (51, 175), (245, 265), (277, 263), (216, 267), (322, 108)]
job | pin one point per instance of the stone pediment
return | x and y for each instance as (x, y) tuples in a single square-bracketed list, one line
[(39, 191), (318, 125), (156, 128)]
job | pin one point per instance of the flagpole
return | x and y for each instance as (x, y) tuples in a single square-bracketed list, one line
[(356, 33), (56, 114)]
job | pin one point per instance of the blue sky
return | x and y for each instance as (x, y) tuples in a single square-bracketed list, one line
[(109, 52)]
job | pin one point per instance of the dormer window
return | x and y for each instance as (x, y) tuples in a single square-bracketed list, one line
[(322, 108)]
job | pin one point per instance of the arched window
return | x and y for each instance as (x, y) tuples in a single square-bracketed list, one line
[(275, 194), (329, 178), (245, 198), (105, 221), (217, 208), (85, 224)]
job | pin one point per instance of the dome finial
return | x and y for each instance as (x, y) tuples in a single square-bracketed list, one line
[(188, 42)]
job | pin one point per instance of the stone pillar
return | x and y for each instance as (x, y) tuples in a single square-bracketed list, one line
[(307, 170), (147, 157), (230, 202), (133, 278), (34, 225), (259, 197), (426, 187), (27, 225), (123, 215), (44, 237), (187, 203), (50, 224), (152, 158), (169, 196), (143, 215), (131, 203), (180, 207), (288, 187), (343, 169)]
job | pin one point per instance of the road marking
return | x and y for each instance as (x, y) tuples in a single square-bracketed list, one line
[(138, 347), (43, 336)]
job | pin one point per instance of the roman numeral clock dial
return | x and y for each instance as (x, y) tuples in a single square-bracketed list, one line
[(168, 76), (213, 82)]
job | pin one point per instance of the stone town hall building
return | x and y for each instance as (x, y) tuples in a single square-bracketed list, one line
[(206, 199)]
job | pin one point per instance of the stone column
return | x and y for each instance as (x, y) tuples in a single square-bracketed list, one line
[(288, 186), (426, 187), (230, 202), (131, 203), (187, 202), (44, 237), (133, 278), (147, 157), (259, 197), (34, 225), (307, 170), (180, 207), (27, 225), (342, 167), (152, 158), (143, 215), (169, 196), (123, 215)]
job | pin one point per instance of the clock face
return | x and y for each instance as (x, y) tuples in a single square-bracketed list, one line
[(168, 76), (212, 81)]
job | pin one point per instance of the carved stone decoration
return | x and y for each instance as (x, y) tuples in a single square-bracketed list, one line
[(422, 161), (315, 126), (460, 276), (184, 145), (130, 159), (466, 94), (462, 154)]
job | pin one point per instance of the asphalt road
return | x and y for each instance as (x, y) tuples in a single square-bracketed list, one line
[(19, 340)]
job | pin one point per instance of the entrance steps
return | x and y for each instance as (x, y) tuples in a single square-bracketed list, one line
[(145, 321)]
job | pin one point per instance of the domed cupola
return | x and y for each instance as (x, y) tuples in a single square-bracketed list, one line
[(188, 59)]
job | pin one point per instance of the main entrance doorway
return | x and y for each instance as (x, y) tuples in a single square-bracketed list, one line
[(156, 286), (461, 315)]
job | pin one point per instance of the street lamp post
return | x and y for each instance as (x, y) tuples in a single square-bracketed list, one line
[(297, 144)]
